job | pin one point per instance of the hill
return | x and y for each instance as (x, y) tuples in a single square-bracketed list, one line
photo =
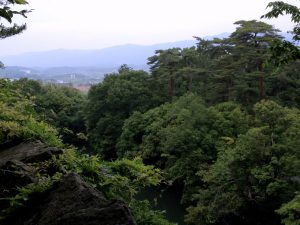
[(111, 57)]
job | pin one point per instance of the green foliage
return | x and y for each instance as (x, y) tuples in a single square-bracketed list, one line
[(285, 51), (60, 106), (63, 108), (25, 193), (8, 14), (233, 165), (284, 85), (182, 137), (113, 101), (144, 215), (255, 175), (279, 8), (119, 179), (18, 121), (196, 116), (229, 69), (291, 211)]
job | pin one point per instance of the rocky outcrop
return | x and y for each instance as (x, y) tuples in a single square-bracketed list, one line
[(17, 166), (29, 152), (71, 201)]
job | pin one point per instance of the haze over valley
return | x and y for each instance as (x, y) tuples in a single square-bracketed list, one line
[(87, 66)]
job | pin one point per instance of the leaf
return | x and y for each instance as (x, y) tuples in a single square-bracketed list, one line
[(21, 2), (6, 14)]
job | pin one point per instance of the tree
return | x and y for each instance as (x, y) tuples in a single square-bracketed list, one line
[(113, 101), (166, 62), (181, 137), (124, 69), (18, 119), (252, 40), (285, 51), (7, 14), (284, 84), (256, 174)]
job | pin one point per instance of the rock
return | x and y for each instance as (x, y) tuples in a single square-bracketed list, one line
[(28, 153), (16, 169), (70, 201), (16, 174), (73, 202)]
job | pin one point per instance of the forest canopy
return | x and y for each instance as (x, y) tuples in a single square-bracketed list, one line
[(220, 120)]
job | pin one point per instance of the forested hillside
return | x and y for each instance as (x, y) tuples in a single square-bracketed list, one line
[(219, 121)]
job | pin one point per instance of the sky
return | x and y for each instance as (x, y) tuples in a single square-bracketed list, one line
[(96, 24)]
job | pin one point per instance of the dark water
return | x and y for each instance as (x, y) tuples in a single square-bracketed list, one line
[(165, 199)]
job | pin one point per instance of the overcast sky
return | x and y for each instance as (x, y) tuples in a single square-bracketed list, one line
[(95, 24)]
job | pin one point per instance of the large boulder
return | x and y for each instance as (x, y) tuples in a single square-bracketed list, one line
[(28, 152), (19, 166), (72, 202)]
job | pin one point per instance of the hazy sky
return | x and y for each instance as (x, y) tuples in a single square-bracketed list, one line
[(94, 24)]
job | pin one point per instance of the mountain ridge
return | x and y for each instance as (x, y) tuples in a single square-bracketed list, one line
[(133, 55), (110, 57)]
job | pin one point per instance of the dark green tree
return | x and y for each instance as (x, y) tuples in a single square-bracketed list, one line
[(114, 100), (165, 63), (252, 40), (254, 175), (283, 85)]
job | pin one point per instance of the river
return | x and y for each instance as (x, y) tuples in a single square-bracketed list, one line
[(166, 199)]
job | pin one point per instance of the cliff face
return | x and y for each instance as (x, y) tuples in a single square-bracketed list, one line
[(68, 201)]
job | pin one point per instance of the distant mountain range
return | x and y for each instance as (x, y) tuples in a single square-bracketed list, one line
[(112, 57), (89, 63)]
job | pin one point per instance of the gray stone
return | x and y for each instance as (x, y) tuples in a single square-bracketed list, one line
[(28, 152), (73, 202)]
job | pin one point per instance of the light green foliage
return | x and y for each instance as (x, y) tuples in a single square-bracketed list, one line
[(63, 108), (60, 106), (291, 211), (118, 179), (18, 121)]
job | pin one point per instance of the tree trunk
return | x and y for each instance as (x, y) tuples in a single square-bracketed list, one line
[(261, 80), (171, 87), (190, 83), (261, 87)]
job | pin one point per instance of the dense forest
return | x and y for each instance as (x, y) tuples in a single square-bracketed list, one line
[(220, 120)]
